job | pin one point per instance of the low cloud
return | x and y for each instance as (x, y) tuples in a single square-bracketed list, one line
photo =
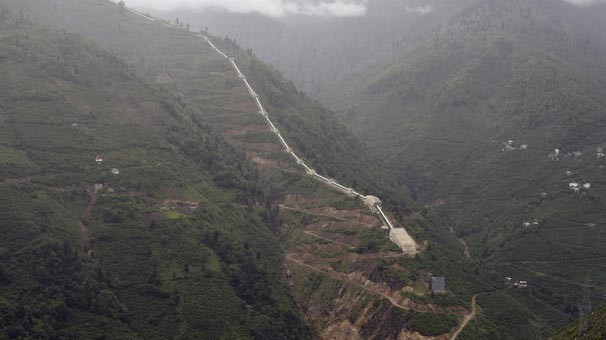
[(272, 8), (422, 10), (585, 2)]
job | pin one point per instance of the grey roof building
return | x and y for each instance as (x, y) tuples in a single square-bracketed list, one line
[(438, 284)]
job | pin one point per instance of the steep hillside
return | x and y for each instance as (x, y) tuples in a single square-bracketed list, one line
[(173, 244), (174, 58), (310, 218), (524, 71)]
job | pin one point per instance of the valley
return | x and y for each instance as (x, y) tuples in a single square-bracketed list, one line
[(158, 182)]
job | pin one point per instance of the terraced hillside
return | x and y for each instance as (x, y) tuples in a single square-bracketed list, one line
[(173, 244), (202, 87)]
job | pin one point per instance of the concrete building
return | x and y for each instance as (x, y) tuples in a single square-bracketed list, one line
[(438, 284), (400, 237)]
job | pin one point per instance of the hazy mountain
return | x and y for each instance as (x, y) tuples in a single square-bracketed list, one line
[(315, 51), (434, 90)]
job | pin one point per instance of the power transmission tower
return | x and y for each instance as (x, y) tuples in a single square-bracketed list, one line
[(585, 308)]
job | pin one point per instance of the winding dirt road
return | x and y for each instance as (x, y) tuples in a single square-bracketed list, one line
[(468, 318)]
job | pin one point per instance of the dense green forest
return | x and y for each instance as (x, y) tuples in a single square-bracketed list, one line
[(134, 267), (443, 114)]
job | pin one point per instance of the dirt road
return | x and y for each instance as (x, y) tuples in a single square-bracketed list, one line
[(468, 318)]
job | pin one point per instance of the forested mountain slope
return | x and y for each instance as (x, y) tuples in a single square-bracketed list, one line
[(303, 213), (90, 253), (174, 58), (525, 71), (333, 259)]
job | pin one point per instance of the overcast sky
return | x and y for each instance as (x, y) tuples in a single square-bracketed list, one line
[(279, 8), (273, 8), (586, 2)]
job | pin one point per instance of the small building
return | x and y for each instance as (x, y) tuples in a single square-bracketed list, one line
[(557, 152), (587, 186), (577, 154), (438, 284), (600, 153), (535, 224), (98, 186), (526, 224), (193, 205), (568, 173), (508, 281), (524, 147), (573, 185), (99, 159), (523, 284), (115, 171), (543, 195)]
